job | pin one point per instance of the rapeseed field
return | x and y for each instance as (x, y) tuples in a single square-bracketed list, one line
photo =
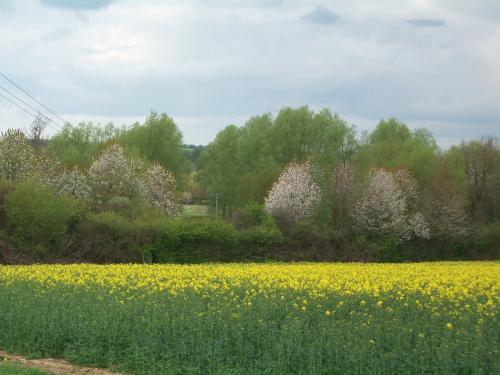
[(306, 318)]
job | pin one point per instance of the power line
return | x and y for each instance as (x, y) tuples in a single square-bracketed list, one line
[(20, 107), (17, 105), (32, 108), (25, 92)]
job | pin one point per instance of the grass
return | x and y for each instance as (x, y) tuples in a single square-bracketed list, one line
[(194, 210), (426, 318), (14, 369)]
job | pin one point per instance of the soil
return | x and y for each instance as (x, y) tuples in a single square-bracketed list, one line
[(55, 366)]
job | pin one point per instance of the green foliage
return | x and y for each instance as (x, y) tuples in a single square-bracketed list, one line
[(260, 242), (122, 206), (242, 163), (79, 145), (392, 145), (108, 237), (157, 140), (487, 240), (195, 240), (37, 215), (251, 215)]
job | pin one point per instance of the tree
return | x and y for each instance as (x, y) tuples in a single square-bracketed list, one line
[(17, 160), (220, 166), (294, 195), (393, 145), (157, 140), (73, 183), (443, 208), (243, 162), (301, 134), (37, 128), (161, 189), (482, 173), (114, 175), (344, 194), (386, 206), (79, 145)]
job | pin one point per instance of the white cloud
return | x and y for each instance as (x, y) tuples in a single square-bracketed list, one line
[(210, 62)]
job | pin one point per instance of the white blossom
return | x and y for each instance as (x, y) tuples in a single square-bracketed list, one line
[(17, 159), (294, 195), (385, 206), (73, 183), (114, 175), (445, 212), (161, 188)]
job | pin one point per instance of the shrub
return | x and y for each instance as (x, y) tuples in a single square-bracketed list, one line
[(260, 240), (110, 237), (37, 215), (122, 206), (487, 241), (195, 240), (251, 215)]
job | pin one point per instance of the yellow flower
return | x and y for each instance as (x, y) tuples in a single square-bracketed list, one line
[(449, 325)]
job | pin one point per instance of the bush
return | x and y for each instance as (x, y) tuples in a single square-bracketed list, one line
[(107, 236), (37, 215), (487, 241), (306, 241), (122, 206), (195, 240), (251, 215), (257, 242)]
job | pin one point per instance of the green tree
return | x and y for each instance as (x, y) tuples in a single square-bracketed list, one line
[(393, 145), (157, 140), (301, 134), (220, 166), (79, 145)]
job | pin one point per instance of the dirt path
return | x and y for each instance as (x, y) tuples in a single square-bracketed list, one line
[(55, 366)]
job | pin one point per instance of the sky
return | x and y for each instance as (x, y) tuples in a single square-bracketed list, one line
[(211, 63)]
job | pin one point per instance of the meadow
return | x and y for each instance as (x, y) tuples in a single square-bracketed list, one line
[(304, 318)]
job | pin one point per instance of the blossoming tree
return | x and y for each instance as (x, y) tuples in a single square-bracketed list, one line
[(387, 206), (17, 159), (113, 175), (161, 189), (294, 195)]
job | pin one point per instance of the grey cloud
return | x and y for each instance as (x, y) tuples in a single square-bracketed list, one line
[(77, 4), (426, 22), (321, 15)]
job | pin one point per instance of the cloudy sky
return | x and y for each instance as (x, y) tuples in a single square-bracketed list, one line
[(209, 63)]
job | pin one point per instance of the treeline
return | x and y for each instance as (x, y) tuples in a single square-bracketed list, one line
[(303, 185)]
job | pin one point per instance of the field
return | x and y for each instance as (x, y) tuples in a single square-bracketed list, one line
[(427, 318), (12, 369), (194, 210)]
